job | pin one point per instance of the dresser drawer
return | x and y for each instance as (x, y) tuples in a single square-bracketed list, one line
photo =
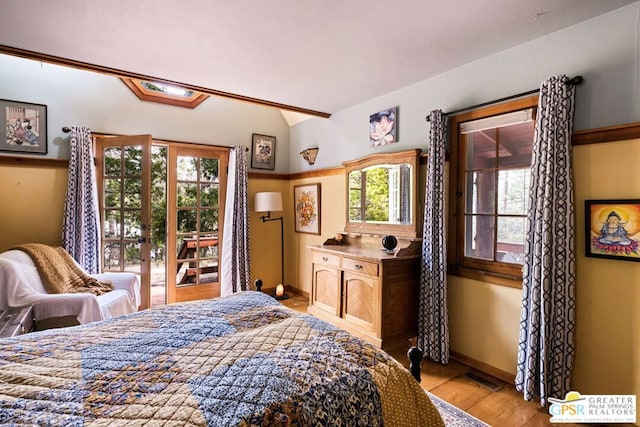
[(360, 266), (327, 259), (16, 321)]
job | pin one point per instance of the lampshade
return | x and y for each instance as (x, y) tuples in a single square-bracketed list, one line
[(269, 201), (309, 155)]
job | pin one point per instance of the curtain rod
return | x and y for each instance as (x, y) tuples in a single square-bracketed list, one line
[(67, 129), (576, 81)]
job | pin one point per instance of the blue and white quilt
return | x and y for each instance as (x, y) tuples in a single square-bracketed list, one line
[(243, 360)]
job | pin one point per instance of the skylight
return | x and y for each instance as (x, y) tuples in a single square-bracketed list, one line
[(162, 88), (164, 94)]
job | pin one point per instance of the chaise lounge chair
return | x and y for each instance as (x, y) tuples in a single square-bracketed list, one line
[(21, 286)]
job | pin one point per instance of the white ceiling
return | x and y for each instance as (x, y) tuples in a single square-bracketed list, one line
[(320, 55)]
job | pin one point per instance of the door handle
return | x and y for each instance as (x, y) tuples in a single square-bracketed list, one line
[(141, 240)]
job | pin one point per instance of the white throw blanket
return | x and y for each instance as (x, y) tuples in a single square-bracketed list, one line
[(20, 286)]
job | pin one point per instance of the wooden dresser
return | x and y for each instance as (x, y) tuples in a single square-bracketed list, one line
[(16, 321), (370, 293)]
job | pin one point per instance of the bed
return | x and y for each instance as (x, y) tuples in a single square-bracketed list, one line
[(241, 360)]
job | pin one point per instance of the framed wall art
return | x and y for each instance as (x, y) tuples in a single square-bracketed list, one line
[(612, 229), (264, 151), (306, 204), (383, 127), (24, 128)]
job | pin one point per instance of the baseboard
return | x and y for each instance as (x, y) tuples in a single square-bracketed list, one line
[(297, 291), (484, 367)]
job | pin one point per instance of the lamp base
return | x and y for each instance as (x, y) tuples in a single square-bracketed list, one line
[(281, 297)]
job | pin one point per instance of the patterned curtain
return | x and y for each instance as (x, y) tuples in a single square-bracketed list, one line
[(546, 347), (236, 272), (433, 323), (81, 222)]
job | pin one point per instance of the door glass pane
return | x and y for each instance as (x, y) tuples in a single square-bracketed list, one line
[(112, 256), (208, 271), (132, 257), (112, 225), (132, 193), (192, 247), (479, 232), (182, 248), (186, 194), (208, 221), (480, 192), (186, 273), (133, 161), (112, 192), (132, 224), (112, 161), (187, 221), (513, 191), (481, 149), (511, 237), (209, 170), (187, 168), (209, 247), (209, 195)]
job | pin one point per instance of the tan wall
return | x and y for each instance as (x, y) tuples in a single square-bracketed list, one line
[(484, 321), (31, 204), (607, 291), (265, 241), (333, 214)]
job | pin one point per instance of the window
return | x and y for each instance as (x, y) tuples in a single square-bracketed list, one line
[(489, 186)]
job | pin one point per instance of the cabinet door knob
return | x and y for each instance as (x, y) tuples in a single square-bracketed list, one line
[(325, 259), (359, 267)]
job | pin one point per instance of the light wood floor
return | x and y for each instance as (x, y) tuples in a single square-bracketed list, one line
[(504, 407)]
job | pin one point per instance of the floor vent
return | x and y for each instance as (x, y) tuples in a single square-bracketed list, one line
[(488, 382)]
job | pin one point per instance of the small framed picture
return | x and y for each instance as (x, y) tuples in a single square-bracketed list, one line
[(383, 127), (306, 205), (612, 229), (25, 127), (264, 151)]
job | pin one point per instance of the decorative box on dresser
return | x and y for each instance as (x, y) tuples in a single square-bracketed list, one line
[(359, 287)]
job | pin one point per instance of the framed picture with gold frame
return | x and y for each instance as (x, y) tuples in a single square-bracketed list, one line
[(612, 229), (306, 205)]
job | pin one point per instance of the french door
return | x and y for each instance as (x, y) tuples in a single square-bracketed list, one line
[(187, 222), (194, 225), (123, 171)]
